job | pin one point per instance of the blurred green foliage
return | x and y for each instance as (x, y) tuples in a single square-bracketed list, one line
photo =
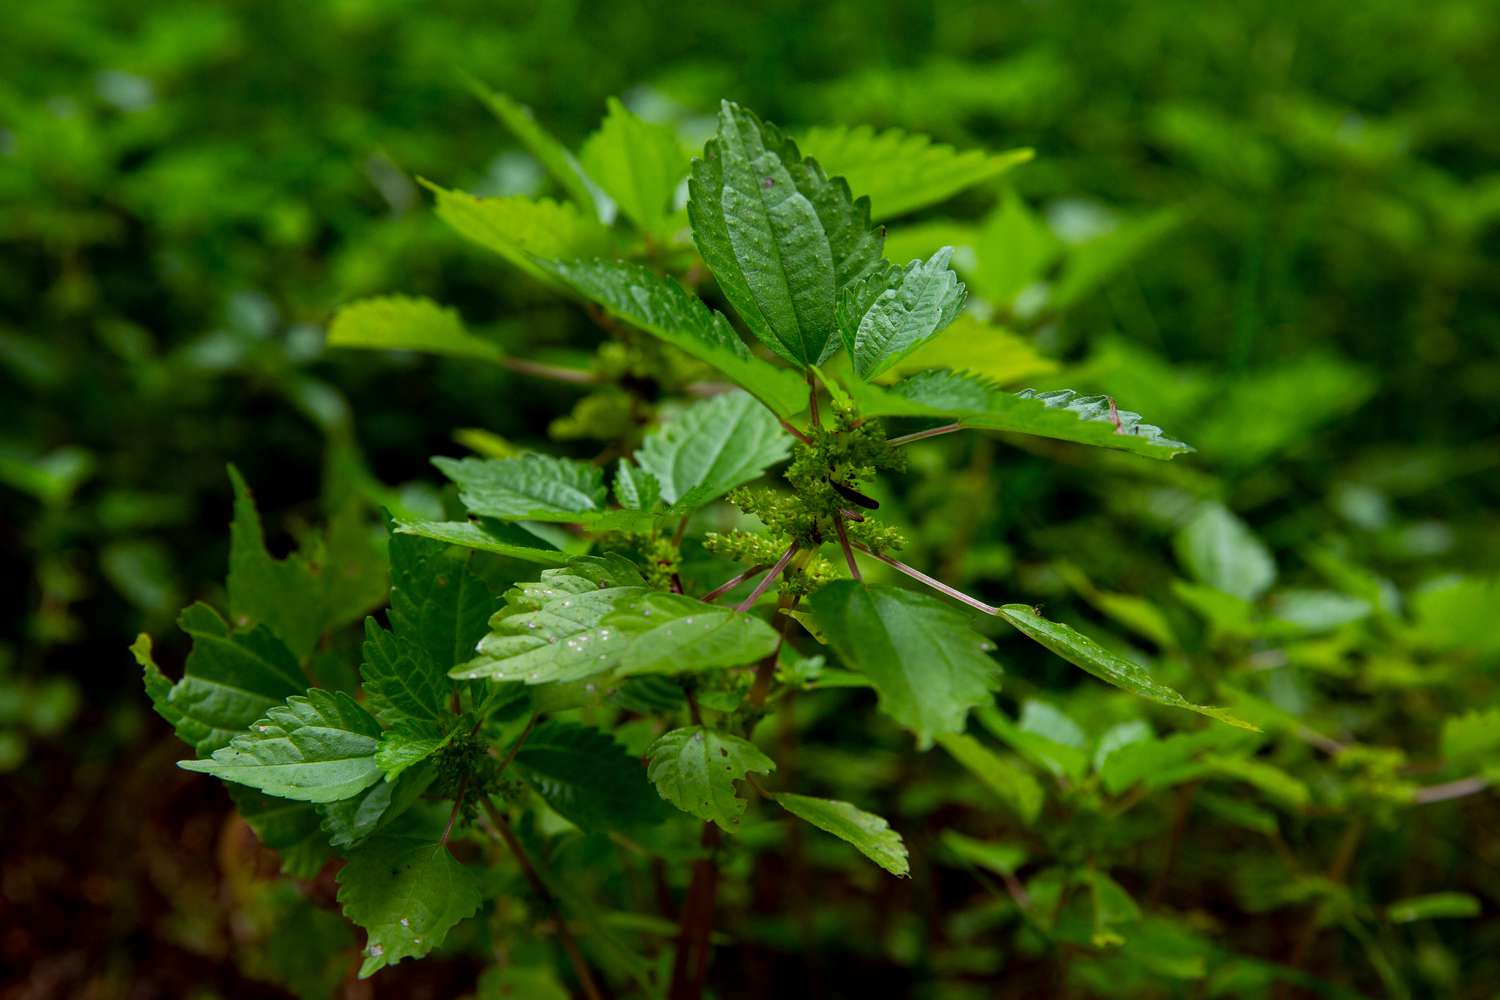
[(1272, 229)]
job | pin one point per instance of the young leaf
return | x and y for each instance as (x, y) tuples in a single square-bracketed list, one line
[(695, 769), (870, 834), (407, 323), (1219, 549), (672, 633), (487, 535), (284, 594), (231, 679), (588, 778), (635, 488), (901, 172), (1061, 414), (316, 748), (639, 164), (929, 667), (663, 308), (407, 894), (553, 156), (781, 238), (1081, 651), (906, 308), (408, 743), (711, 447), (529, 488), (522, 229)]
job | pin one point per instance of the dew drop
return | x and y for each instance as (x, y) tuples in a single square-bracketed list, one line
[(376, 950), (405, 922)]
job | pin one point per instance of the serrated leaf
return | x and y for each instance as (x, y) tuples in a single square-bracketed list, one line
[(711, 447), (1060, 414), (553, 156), (522, 229), (868, 833), (901, 172), (1433, 906), (354, 820), (550, 630), (1110, 667), (529, 488), (407, 323), (231, 679), (408, 743), (695, 769), (1220, 550), (971, 346), (1004, 776), (284, 594), (911, 306), (588, 778), (635, 488), (638, 163), (316, 748), (487, 535), (407, 894), (673, 633), (663, 308), (929, 667), (780, 237)]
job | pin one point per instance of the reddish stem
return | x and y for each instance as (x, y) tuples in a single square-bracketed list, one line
[(935, 584), (766, 581), (732, 582), (897, 442), (838, 526)]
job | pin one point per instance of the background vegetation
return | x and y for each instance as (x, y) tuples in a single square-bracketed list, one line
[(1272, 229)]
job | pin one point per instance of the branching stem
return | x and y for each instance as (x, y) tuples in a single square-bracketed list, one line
[(732, 582), (935, 584), (768, 579)]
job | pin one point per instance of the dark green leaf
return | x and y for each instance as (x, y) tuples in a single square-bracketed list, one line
[(407, 894), (529, 488), (695, 769), (673, 633), (588, 778)]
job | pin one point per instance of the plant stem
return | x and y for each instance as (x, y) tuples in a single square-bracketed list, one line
[(897, 442), (555, 373), (812, 402), (690, 962), (458, 802), (1451, 790), (515, 747), (765, 670), (564, 934), (938, 585), (838, 526), (732, 582), (794, 432), (768, 579)]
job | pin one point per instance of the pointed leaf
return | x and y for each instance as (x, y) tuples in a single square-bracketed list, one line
[(970, 345), (588, 778), (407, 894), (713, 446), (552, 155), (870, 834), (316, 748), (522, 229), (673, 633), (663, 308), (900, 171), (929, 667), (1005, 776), (407, 323), (639, 164), (529, 488), (1081, 651), (914, 304), (487, 535), (695, 769), (284, 594)]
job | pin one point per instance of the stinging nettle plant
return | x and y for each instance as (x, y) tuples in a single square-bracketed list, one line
[(492, 716)]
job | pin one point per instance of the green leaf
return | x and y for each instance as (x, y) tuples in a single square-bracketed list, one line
[(551, 630), (871, 835), (407, 894), (552, 155), (231, 679), (663, 308), (779, 236), (902, 172), (354, 820), (522, 229), (1219, 550), (316, 748), (292, 829), (407, 323), (1453, 613), (487, 535), (588, 778), (890, 314), (1014, 249), (639, 164), (1471, 738), (529, 488), (1061, 414), (1159, 763), (673, 633), (635, 488), (284, 594), (1014, 785), (408, 743), (1090, 265), (695, 769), (972, 346), (1001, 858), (1268, 778), (1083, 652), (711, 447), (929, 667), (1433, 906), (1044, 736)]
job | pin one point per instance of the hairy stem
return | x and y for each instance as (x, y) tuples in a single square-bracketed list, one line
[(564, 934), (768, 579), (732, 582), (930, 432), (938, 585)]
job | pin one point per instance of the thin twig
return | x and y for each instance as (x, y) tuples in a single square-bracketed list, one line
[(732, 582), (768, 579), (695, 931), (1451, 790), (515, 747), (564, 934), (812, 402), (458, 802), (794, 432), (838, 526), (765, 670), (555, 373), (897, 442), (935, 584)]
